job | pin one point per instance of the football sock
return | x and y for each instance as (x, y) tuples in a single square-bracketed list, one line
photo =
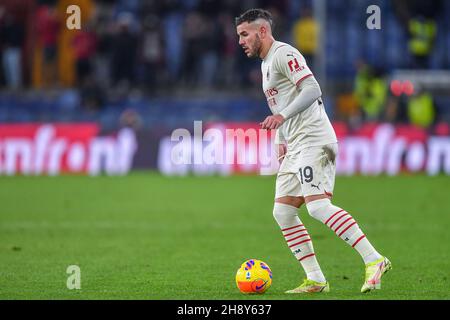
[(298, 240), (345, 227)]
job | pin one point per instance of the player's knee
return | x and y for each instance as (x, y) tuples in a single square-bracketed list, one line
[(318, 209), (284, 214), (291, 201)]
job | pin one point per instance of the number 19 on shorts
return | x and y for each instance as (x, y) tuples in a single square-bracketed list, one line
[(306, 174)]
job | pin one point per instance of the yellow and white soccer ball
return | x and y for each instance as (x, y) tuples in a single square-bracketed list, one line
[(254, 276)]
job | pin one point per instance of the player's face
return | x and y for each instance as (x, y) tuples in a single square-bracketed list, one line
[(249, 39)]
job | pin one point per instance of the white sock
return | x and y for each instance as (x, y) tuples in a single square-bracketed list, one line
[(298, 240), (371, 257), (345, 226)]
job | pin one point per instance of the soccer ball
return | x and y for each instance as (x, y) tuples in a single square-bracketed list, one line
[(254, 276)]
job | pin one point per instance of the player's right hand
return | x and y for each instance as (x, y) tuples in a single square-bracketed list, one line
[(272, 122), (282, 149)]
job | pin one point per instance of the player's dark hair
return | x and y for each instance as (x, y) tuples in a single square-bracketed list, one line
[(253, 15)]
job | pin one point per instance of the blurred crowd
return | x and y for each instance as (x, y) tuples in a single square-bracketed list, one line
[(374, 98), (164, 45), (153, 43)]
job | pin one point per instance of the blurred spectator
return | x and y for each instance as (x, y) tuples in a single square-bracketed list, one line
[(419, 19), (124, 51), (306, 35), (370, 90), (422, 36), (348, 109), (157, 46), (174, 45), (151, 52), (421, 110), (202, 46), (229, 49), (209, 59), (13, 37), (281, 26), (84, 46), (2, 22), (48, 27), (103, 26)]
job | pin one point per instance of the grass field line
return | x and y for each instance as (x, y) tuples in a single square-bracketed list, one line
[(150, 225), (79, 225), (146, 236)]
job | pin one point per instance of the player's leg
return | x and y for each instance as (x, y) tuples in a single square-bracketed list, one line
[(296, 235), (343, 224), (288, 200), (346, 227), (299, 242), (318, 184)]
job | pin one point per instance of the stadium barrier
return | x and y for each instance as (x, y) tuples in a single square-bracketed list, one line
[(370, 150), (34, 149), (213, 148)]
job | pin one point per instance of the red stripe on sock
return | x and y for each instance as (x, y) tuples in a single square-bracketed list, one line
[(359, 239), (345, 214), (303, 235), (326, 222), (300, 225), (307, 256), (347, 228), (296, 244), (290, 234), (345, 221)]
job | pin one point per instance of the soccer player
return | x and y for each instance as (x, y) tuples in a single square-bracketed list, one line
[(307, 149)]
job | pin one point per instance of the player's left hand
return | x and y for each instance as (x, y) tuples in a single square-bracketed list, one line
[(272, 122)]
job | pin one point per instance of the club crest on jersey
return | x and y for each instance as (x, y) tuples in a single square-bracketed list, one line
[(294, 65)]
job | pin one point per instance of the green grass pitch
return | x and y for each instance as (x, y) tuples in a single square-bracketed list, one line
[(145, 236)]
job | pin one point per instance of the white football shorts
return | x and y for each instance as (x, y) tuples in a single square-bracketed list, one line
[(309, 172)]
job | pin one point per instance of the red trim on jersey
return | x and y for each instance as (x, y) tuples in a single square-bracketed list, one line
[(307, 76), (307, 256), (290, 234), (303, 235), (283, 230), (359, 239), (326, 222), (329, 194), (296, 244), (347, 228)]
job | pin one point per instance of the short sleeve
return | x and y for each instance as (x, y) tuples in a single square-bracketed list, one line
[(290, 63)]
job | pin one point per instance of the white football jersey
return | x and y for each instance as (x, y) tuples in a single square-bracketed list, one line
[(283, 69)]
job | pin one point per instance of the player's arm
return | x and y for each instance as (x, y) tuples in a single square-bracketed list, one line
[(292, 64), (309, 92)]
